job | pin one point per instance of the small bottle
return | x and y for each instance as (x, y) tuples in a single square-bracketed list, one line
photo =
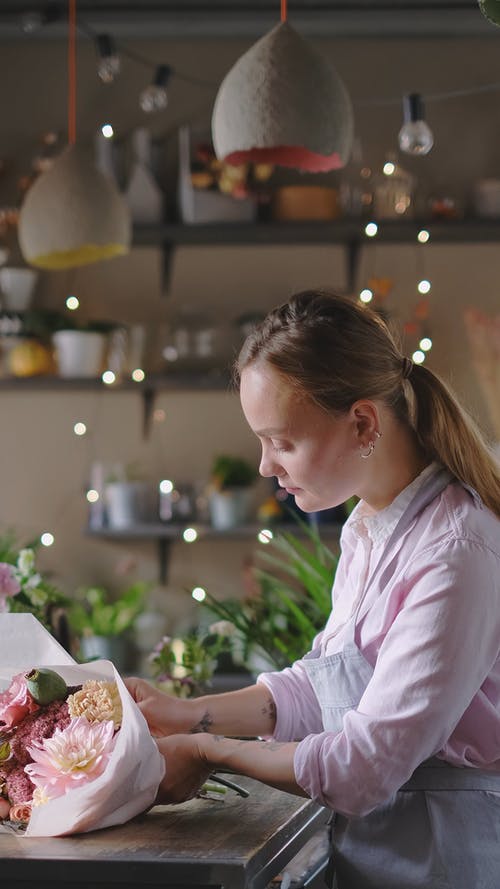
[(356, 186), (394, 192), (143, 194)]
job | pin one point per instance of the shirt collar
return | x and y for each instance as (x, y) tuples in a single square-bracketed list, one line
[(378, 526)]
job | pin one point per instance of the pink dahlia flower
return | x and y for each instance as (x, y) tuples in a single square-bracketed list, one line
[(9, 585), (72, 756), (16, 702)]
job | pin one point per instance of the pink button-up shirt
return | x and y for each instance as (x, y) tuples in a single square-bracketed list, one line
[(432, 635)]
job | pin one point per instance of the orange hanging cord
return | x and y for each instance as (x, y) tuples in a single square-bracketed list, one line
[(71, 72), (284, 14)]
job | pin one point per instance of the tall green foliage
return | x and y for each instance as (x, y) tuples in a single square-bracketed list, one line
[(295, 576)]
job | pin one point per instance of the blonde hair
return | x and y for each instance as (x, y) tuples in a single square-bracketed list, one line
[(336, 352)]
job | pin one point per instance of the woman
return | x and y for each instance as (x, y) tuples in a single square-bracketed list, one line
[(393, 718)]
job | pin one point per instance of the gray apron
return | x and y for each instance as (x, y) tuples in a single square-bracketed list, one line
[(441, 830)]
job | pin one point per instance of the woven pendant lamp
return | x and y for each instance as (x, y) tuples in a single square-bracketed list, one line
[(283, 103), (73, 215)]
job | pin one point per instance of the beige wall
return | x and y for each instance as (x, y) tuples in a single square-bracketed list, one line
[(43, 467)]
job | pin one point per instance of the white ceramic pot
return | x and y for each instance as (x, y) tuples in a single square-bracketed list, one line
[(79, 353), (127, 503), (230, 508), (17, 288)]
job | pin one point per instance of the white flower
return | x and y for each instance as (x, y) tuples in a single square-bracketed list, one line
[(26, 561), (37, 597), (32, 582), (40, 796), (222, 628)]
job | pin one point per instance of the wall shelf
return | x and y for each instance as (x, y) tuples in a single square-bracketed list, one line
[(215, 380), (165, 534), (342, 231), (349, 233)]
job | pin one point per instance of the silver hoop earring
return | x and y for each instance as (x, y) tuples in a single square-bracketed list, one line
[(371, 448)]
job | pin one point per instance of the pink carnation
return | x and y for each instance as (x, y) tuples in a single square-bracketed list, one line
[(16, 702), (9, 586), (19, 787), (36, 727), (72, 756)]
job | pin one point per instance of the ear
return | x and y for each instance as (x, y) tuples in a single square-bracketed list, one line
[(366, 420)]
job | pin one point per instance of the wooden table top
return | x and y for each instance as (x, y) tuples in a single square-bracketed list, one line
[(238, 843)]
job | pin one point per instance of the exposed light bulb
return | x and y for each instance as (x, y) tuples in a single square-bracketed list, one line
[(107, 131), (418, 356), (155, 96), (108, 60), (425, 343), (423, 236), (366, 295), (35, 20), (415, 136)]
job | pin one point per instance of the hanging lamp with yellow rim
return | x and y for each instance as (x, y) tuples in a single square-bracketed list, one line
[(73, 214)]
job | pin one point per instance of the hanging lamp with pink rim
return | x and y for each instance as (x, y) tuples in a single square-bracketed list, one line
[(283, 103), (73, 214)]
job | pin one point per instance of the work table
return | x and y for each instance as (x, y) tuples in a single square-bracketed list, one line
[(238, 843)]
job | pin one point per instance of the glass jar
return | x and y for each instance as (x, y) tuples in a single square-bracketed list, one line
[(394, 192)]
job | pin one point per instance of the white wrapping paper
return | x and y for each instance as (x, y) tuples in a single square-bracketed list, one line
[(131, 779)]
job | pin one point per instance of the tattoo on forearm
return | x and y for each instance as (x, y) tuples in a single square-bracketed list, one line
[(203, 725), (273, 745), (269, 710)]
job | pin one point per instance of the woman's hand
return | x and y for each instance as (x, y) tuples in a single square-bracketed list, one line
[(164, 714), (186, 770)]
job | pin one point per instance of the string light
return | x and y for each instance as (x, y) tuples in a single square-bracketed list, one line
[(92, 495), (190, 535), (72, 303), (265, 535), (424, 286), (138, 375), (198, 594), (79, 429), (155, 97), (371, 229), (415, 136), (47, 539), (418, 356), (108, 60), (389, 168), (425, 344), (108, 377), (366, 295), (166, 486), (107, 131), (423, 236)]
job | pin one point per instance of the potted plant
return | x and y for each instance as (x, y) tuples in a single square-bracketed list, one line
[(102, 621), (288, 602), (230, 495), (81, 350)]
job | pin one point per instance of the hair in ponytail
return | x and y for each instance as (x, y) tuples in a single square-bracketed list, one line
[(336, 352)]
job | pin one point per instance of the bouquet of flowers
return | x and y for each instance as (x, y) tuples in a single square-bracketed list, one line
[(75, 752)]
